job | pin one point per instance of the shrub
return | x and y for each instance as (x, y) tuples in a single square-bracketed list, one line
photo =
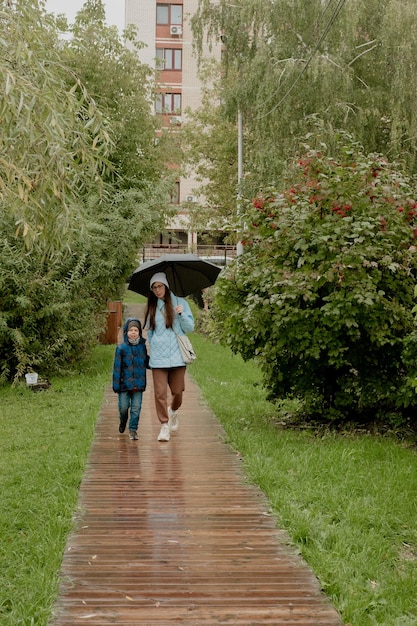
[(53, 304), (323, 296)]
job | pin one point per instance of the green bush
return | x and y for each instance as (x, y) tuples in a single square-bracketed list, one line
[(323, 296), (53, 305)]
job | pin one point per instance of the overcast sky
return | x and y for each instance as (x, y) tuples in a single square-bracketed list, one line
[(115, 10)]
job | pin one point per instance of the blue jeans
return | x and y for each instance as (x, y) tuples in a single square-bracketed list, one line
[(132, 400)]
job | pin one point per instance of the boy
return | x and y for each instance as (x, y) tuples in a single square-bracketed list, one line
[(129, 375)]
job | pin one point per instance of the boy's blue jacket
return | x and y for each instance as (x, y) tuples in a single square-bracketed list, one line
[(130, 363)]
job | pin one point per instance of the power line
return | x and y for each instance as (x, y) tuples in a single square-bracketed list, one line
[(322, 14), (328, 26)]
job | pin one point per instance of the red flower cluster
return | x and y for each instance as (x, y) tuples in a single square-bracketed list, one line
[(258, 203), (342, 210)]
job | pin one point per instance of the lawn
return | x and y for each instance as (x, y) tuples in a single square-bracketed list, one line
[(45, 440)]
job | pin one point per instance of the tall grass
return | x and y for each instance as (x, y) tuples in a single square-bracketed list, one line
[(347, 501), (45, 440)]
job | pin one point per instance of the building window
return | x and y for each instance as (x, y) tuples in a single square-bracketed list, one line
[(169, 14), (176, 13), (169, 58), (168, 103)]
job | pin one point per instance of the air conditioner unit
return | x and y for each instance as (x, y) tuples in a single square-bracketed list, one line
[(191, 198), (175, 30)]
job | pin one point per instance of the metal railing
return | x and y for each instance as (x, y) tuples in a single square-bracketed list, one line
[(221, 254)]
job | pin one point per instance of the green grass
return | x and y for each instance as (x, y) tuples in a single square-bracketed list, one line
[(348, 502), (45, 440), (131, 297)]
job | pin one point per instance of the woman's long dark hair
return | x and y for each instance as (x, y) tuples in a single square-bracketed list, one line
[(151, 310)]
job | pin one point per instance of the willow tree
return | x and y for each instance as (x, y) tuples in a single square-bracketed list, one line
[(54, 140), (54, 146), (72, 213), (210, 137)]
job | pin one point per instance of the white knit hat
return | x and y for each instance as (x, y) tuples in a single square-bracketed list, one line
[(159, 277)]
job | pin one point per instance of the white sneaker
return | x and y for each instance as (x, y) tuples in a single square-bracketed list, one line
[(164, 434), (173, 422)]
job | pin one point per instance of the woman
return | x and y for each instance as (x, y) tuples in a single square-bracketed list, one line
[(166, 317)]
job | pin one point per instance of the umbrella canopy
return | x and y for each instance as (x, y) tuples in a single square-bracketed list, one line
[(186, 274)]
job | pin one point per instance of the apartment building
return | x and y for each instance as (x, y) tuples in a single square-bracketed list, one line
[(164, 29)]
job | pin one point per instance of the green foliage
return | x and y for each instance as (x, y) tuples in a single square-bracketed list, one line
[(53, 308), (54, 140), (81, 183), (323, 296), (287, 63), (123, 89), (211, 152)]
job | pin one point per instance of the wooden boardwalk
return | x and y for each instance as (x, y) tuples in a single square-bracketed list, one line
[(170, 533)]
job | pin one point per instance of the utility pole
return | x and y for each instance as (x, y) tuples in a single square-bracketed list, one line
[(239, 247)]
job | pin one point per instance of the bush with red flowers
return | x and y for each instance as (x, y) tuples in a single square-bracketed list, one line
[(324, 296)]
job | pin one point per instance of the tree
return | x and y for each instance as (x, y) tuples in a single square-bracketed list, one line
[(54, 140), (74, 210), (210, 140), (124, 90), (287, 64)]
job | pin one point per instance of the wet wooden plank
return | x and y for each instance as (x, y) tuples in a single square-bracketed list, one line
[(171, 533)]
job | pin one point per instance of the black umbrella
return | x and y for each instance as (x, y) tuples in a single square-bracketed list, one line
[(186, 274)]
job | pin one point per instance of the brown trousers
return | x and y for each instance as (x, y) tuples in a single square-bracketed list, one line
[(172, 377)]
